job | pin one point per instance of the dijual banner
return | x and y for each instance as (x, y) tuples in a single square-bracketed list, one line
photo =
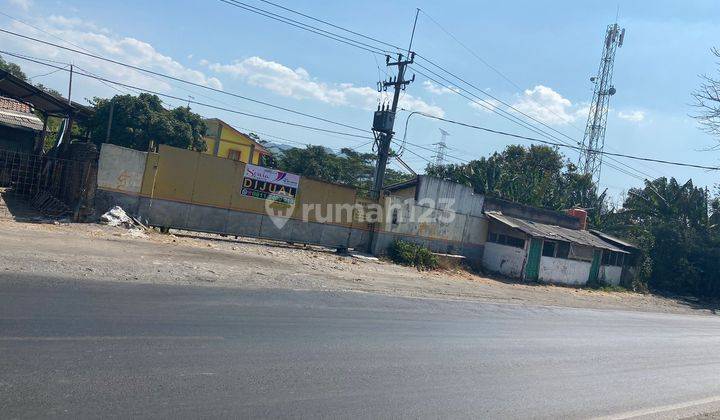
[(270, 184)]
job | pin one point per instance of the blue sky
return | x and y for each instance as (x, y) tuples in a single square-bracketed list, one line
[(547, 49)]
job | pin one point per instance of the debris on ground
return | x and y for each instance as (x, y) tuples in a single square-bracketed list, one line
[(136, 233), (364, 257), (117, 217)]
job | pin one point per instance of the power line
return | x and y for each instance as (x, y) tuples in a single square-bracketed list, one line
[(87, 50), (477, 56), (81, 73), (177, 79), (278, 107), (646, 159), (306, 27), (44, 74), (509, 116), (426, 59), (333, 25), (473, 53), (483, 103), (295, 23)]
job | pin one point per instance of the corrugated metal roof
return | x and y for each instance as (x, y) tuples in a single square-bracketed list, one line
[(14, 87), (20, 119), (611, 238), (541, 230)]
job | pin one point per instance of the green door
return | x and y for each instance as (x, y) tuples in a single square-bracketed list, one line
[(595, 266), (532, 267)]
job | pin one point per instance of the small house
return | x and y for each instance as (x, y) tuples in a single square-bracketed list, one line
[(536, 251), (225, 141), (20, 129)]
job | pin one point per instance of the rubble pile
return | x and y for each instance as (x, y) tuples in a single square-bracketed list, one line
[(117, 217)]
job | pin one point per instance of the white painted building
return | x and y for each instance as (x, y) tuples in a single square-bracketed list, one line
[(529, 250)]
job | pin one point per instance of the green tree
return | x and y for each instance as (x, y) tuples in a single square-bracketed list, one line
[(348, 167), (535, 175), (672, 223), (139, 120), (13, 69)]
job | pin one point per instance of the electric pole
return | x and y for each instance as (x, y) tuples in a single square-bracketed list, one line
[(384, 119)]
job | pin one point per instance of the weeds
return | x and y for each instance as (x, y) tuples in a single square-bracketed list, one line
[(413, 255)]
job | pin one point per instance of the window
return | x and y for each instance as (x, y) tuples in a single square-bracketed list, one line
[(503, 239), (613, 258), (580, 252), (234, 154), (563, 250), (548, 249), (516, 242), (606, 257)]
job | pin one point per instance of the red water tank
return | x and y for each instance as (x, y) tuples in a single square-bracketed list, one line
[(581, 215)]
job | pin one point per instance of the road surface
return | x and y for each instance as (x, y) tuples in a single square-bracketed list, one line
[(92, 349)]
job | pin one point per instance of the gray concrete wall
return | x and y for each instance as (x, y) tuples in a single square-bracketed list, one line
[(563, 270), (164, 213), (121, 169), (611, 274), (465, 200), (535, 214), (443, 216), (506, 260)]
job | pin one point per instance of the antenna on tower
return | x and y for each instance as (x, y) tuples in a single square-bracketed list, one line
[(441, 148), (594, 139)]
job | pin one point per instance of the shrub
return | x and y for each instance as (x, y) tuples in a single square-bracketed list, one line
[(414, 255)]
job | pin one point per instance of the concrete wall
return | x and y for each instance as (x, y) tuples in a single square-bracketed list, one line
[(119, 179), (157, 212), (535, 214), (503, 259), (195, 178), (465, 201), (121, 169), (566, 271), (188, 190), (460, 228), (610, 274)]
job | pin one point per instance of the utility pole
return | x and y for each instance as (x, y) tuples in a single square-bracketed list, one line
[(70, 86), (110, 120), (384, 119)]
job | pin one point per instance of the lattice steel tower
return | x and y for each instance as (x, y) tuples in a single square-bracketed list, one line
[(441, 148), (594, 139)]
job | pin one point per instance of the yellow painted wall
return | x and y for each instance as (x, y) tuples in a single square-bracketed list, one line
[(229, 140), (191, 177)]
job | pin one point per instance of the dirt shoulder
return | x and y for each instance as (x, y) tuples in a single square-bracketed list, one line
[(100, 253)]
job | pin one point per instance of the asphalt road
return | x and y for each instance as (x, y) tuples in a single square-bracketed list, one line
[(98, 349)]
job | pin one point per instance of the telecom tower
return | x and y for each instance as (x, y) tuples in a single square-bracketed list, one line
[(594, 139), (441, 148)]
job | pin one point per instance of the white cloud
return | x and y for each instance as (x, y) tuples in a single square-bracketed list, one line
[(632, 116), (24, 5), (547, 106), (87, 36), (297, 83), (439, 90)]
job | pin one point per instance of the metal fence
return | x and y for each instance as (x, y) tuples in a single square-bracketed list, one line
[(56, 187)]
